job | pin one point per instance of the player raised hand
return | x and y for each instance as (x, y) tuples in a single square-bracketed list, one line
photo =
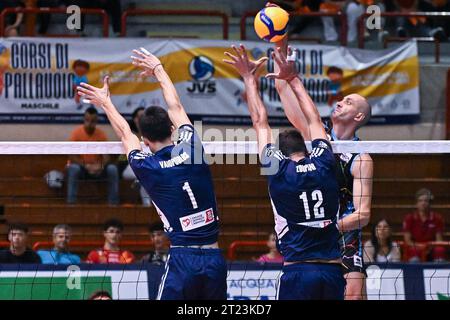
[(286, 65), (97, 96), (242, 63), (146, 61)]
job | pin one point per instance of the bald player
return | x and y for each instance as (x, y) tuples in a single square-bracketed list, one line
[(354, 175)]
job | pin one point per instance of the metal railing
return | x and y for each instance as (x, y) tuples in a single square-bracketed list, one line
[(91, 244), (99, 12), (393, 15), (237, 244), (150, 12)]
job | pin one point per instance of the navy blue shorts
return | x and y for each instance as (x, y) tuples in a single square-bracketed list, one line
[(311, 281), (194, 274)]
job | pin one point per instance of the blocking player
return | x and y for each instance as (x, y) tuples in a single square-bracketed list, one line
[(181, 189), (303, 191), (354, 174)]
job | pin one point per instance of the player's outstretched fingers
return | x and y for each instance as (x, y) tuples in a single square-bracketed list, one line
[(238, 54), (243, 51), (229, 61), (277, 59), (139, 53), (88, 86), (231, 56), (145, 51), (106, 82), (83, 90)]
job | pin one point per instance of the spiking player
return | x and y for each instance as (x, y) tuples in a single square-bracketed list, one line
[(303, 191), (354, 174), (181, 189)]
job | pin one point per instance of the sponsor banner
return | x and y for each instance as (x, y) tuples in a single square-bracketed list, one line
[(437, 284), (73, 284), (38, 77), (245, 281), (252, 284), (385, 284), (197, 220)]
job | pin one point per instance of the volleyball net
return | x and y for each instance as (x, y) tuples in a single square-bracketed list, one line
[(34, 183)]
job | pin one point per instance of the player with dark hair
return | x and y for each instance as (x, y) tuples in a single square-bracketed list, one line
[(18, 252), (179, 183), (303, 191), (111, 251), (354, 173)]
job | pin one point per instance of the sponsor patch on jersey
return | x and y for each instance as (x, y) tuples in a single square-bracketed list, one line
[(322, 145), (316, 224), (345, 157), (197, 220), (357, 261)]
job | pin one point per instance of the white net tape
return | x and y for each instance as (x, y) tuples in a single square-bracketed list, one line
[(227, 147)]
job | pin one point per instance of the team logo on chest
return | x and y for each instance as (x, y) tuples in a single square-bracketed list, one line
[(345, 157)]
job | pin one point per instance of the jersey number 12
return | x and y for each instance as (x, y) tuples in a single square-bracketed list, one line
[(319, 211), (187, 188)]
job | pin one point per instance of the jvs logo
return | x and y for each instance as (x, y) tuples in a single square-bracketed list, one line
[(202, 70)]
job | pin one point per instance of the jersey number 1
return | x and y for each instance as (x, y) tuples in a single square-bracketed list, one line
[(319, 212), (187, 188)]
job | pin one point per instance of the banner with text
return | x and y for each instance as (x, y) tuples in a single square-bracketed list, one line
[(38, 77)]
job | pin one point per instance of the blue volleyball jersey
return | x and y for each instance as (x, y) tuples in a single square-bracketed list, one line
[(179, 182), (305, 202)]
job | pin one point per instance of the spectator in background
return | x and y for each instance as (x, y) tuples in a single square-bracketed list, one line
[(161, 244), (128, 173), (13, 21), (422, 226), (381, 248), (298, 23), (416, 27), (100, 295), (440, 6), (18, 251), (111, 252), (353, 10), (273, 256), (91, 166), (60, 253), (112, 7)]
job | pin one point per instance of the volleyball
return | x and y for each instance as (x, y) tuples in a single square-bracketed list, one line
[(271, 24)]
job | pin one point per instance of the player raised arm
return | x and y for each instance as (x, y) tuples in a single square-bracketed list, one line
[(287, 72), (152, 67), (288, 99), (258, 113), (362, 172), (101, 97)]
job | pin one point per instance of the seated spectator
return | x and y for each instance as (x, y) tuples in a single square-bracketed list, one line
[(100, 295), (381, 248), (423, 226), (13, 21), (353, 10), (60, 253), (298, 23), (161, 244), (273, 256), (111, 252), (91, 166), (413, 26), (128, 173), (440, 6), (18, 251)]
